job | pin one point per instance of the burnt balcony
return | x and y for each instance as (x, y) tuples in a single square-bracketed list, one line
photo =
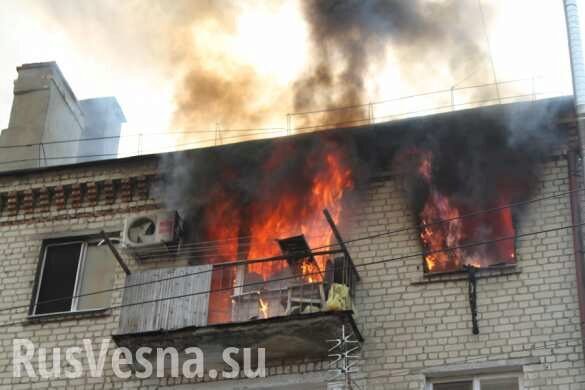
[(289, 304)]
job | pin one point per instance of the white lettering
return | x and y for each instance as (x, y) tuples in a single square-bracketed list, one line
[(161, 355), (146, 372), (73, 362), (227, 359), (261, 364), (198, 362), (96, 369), (55, 370), (18, 358), (121, 357)]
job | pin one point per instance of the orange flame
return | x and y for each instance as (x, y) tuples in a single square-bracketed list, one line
[(437, 237), (263, 307), (445, 233), (291, 207), (293, 214)]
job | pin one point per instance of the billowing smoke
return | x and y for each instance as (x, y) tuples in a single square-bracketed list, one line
[(281, 185), (216, 88), (351, 40), (204, 97), (189, 45), (194, 46), (465, 166)]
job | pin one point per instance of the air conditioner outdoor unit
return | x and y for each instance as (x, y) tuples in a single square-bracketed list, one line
[(151, 230)]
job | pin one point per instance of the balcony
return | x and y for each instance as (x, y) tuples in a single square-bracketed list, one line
[(289, 304)]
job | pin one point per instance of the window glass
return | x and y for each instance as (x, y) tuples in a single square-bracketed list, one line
[(98, 275), (499, 384), (462, 385), (58, 277)]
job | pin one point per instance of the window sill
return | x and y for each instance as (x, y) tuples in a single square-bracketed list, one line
[(481, 273), (56, 317), (493, 367)]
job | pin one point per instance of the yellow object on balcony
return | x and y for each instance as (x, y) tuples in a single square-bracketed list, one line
[(339, 298)]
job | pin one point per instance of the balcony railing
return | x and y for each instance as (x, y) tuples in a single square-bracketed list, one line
[(290, 304), (293, 284)]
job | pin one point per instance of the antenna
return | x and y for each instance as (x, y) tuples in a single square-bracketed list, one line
[(345, 355)]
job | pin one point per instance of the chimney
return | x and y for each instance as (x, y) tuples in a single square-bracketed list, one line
[(103, 119), (46, 112)]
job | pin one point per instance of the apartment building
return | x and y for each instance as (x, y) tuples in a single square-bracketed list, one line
[(450, 252)]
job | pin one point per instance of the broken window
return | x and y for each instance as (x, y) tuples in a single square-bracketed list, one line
[(70, 273)]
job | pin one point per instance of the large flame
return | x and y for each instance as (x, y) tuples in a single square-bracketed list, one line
[(450, 237), (289, 207), (294, 213)]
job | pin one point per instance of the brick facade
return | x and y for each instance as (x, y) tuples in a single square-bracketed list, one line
[(411, 324)]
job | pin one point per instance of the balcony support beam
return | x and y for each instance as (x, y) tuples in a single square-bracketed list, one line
[(115, 253)]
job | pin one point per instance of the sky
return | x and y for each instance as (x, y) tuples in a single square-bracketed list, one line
[(139, 54)]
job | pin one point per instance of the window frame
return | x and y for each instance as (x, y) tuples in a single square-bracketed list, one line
[(85, 241), (476, 379), (428, 273)]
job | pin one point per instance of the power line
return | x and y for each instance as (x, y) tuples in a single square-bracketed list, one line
[(535, 346), (487, 38), (477, 243), (564, 342), (245, 137), (252, 261), (209, 250), (259, 130), (205, 252), (281, 129), (414, 112), (407, 97), (174, 148), (387, 260), (226, 264), (471, 214), (439, 222)]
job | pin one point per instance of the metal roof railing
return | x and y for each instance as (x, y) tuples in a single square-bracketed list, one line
[(427, 103)]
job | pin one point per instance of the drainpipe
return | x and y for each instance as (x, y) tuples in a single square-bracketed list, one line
[(572, 163), (578, 73), (576, 53)]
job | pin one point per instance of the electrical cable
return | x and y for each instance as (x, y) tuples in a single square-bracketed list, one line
[(559, 343), (491, 57), (387, 260), (275, 129), (390, 232), (175, 148), (251, 261)]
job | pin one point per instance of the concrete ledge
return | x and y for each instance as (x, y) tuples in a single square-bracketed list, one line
[(305, 381), (490, 367), (286, 339), (482, 273)]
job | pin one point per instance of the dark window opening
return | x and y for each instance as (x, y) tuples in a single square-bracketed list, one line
[(71, 275), (58, 278)]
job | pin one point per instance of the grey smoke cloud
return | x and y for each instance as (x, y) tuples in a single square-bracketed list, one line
[(349, 38), (349, 42)]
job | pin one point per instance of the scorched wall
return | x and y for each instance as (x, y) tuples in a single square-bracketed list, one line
[(415, 328)]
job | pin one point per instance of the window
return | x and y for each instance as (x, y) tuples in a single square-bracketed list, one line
[(465, 385), (70, 270), (493, 382)]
